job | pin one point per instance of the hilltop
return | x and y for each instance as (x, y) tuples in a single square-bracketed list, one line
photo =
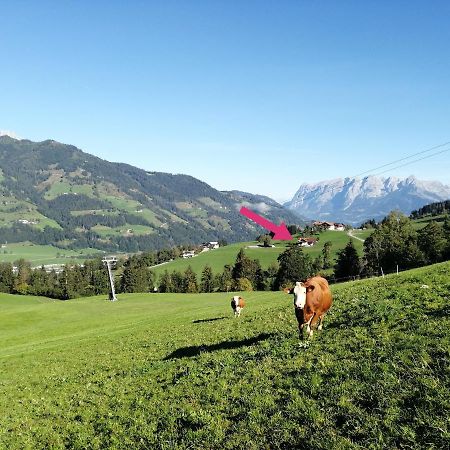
[(177, 371), (53, 193)]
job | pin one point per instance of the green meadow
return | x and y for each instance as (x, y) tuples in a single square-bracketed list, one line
[(177, 371), (218, 258), (39, 255)]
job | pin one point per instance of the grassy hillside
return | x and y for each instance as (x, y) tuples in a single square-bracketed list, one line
[(86, 201), (227, 255), (39, 255), (177, 371)]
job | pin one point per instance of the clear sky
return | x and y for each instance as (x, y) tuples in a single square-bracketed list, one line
[(258, 96)]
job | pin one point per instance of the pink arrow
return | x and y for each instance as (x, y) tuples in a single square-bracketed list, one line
[(280, 232)]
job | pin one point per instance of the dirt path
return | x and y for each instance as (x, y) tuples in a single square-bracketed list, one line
[(354, 237)]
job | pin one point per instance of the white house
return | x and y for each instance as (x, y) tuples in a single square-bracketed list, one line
[(306, 242), (189, 254)]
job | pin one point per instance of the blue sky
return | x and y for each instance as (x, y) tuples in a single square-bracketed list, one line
[(258, 96)]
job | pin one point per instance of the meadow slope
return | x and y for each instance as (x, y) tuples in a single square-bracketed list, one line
[(176, 371)]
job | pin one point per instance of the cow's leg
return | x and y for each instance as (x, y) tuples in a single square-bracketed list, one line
[(309, 329), (321, 322), (315, 320), (300, 330)]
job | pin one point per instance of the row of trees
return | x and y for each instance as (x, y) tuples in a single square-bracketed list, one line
[(396, 243), (73, 281)]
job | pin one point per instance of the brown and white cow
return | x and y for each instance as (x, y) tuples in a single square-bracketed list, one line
[(312, 299), (237, 303)]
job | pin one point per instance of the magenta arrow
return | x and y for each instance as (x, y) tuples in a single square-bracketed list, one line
[(280, 232)]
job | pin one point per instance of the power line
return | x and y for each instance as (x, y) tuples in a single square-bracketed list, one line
[(416, 160), (405, 158), (337, 183)]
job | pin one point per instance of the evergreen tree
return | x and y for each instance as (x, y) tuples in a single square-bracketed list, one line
[(207, 281), (294, 266), (190, 281), (246, 267), (165, 282), (226, 279), (326, 255), (177, 281), (269, 276), (135, 277), (6, 278), (348, 263)]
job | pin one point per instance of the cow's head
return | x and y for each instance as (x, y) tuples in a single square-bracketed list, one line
[(299, 290)]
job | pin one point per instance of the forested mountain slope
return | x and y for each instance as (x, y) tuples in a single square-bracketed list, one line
[(55, 193)]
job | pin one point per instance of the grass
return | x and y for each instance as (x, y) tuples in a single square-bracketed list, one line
[(38, 255), (176, 371), (12, 210), (218, 258), (65, 187)]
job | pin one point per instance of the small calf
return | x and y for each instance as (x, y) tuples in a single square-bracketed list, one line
[(237, 303)]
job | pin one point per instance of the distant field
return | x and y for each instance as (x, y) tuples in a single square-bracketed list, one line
[(38, 255), (218, 258), (176, 371)]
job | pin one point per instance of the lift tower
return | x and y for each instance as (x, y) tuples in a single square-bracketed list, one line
[(109, 262)]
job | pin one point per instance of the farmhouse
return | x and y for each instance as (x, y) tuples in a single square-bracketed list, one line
[(26, 222), (189, 254), (329, 225), (306, 242), (210, 245)]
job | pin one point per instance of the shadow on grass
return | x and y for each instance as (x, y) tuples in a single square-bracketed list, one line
[(208, 320), (195, 350)]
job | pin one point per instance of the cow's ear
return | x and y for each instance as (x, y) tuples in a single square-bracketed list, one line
[(310, 288), (288, 290)]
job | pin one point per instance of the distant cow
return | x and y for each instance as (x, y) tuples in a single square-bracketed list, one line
[(237, 303), (312, 299)]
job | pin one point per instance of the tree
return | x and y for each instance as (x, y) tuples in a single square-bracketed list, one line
[(136, 277), (21, 282), (246, 267), (39, 283), (190, 281), (97, 277), (265, 240), (326, 255), (393, 243), (294, 266), (6, 278), (348, 263), (225, 282), (165, 282), (269, 276), (243, 284), (178, 281), (432, 242), (293, 229), (446, 231), (207, 281)]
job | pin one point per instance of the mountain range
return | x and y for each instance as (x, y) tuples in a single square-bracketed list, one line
[(353, 200), (53, 193)]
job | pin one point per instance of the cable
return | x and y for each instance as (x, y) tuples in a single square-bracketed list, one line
[(403, 159), (337, 183), (414, 161)]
